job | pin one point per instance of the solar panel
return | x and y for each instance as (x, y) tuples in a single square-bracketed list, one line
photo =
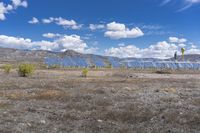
[(78, 61)]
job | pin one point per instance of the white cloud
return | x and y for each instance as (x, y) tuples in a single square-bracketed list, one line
[(193, 1), (96, 26), (182, 45), (62, 22), (51, 35), (48, 21), (6, 8), (121, 44), (193, 46), (123, 51), (62, 43), (177, 40), (118, 31), (165, 2), (186, 3), (116, 27), (152, 27), (33, 21), (3, 11), (22, 43), (193, 51), (160, 50), (73, 42), (17, 3)]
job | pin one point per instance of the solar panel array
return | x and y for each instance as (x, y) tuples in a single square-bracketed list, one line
[(78, 61), (163, 65)]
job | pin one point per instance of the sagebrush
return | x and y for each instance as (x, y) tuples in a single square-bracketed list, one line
[(7, 68), (26, 70), (85, 72)]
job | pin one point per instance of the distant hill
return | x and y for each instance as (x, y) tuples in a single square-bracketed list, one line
[(190, 58), (72, 58), (15, 55)]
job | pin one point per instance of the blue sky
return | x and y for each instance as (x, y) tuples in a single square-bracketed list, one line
[(123, 28)]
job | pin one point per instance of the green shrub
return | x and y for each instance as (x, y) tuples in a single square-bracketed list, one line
[(7, 68), (55, 66), (85, 72), (163, 72), (26, 70), (122, 67), (109, 66), (93, 66)]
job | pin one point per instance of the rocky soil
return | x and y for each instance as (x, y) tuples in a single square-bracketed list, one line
[(114, 101)]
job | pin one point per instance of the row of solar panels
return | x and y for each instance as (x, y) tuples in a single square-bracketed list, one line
[(116, 63), (163, 65)]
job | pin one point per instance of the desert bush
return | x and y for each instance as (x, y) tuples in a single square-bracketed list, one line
[(93, 66), (55, 66), (25, 70), (85, 72), (163, 72), (7, 68), (109, 66), (122, 67)]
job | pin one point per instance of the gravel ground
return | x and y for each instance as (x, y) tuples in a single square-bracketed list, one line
[(114, 101)]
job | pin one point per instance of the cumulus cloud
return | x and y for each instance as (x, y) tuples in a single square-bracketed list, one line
[(62, 43), (193, 46), (193, 51), (123, 51), (177, 40), (51, 35), (72, 24), (17, 3), (33, 21), (7, 8), (48, 21), (119, 31), (96, 26), (160, 50), (3, 11), (182, 45)]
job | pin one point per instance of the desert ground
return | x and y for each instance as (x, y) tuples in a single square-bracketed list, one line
[(107, 101)]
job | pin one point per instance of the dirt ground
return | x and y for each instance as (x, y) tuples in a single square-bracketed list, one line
[(112, 101)]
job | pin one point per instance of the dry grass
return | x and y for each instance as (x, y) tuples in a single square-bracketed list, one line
[(169, 90), (4, 106), (48, 95), (37, 95), (196, 102), (15, 95), (99, 103), (163, 72)]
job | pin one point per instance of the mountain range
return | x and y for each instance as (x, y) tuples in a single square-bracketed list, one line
[(72, 58)]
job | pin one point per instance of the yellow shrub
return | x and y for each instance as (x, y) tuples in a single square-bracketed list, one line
[(7, 68), (85, 72), (25, 70)]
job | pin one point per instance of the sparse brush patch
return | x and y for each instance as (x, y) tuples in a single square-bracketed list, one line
[(122, 67), (109, 66), (93, 66), (19, 95), (26, 70), (163, 72), (85, 72), (48, 95), (55, 66), (4, 105), (7, 68)]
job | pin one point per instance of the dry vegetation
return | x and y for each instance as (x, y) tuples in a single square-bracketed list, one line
[(114, 101)]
